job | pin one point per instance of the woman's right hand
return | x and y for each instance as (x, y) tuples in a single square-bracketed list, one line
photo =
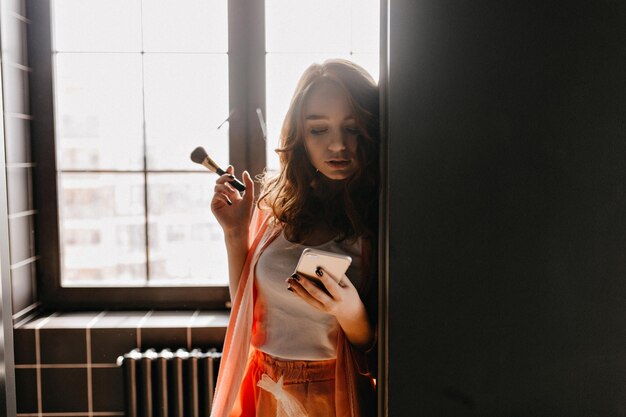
[(232, 210)]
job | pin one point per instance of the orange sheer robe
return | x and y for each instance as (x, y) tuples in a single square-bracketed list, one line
[(355, 386)]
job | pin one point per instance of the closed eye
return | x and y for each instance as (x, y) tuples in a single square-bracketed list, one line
[(318, 131)]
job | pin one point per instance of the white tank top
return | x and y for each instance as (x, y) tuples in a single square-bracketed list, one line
[(292, 328)]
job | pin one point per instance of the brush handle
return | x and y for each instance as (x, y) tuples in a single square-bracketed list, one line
[(235, 183)]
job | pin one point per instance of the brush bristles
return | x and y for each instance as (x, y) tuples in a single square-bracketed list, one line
[(199, 155)]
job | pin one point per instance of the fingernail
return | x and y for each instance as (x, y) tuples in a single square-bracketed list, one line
[(318, 271), (296, 277)]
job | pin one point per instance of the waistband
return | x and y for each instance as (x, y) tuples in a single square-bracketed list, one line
[(293, 372)]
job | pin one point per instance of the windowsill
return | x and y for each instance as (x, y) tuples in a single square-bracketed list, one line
[(128, 320), (79, 339), (162, 283)]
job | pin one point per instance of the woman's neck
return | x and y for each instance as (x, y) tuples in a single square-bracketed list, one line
[(326, 188), (318, 236)]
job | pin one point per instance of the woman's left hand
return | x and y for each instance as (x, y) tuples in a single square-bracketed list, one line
[(342, 300)]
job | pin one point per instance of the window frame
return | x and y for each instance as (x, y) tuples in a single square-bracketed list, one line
[(246, 69)]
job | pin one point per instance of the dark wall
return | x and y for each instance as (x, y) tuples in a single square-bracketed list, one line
[(17, 257), (18, 162), (507, 186)]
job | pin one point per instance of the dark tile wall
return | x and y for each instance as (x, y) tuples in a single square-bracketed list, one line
[(19, 165), (66, 362)]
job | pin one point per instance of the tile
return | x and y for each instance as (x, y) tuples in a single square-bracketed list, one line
[(64, 390), (36, 321), (20, 231), (209, 329), (26, 390), (16, 6), (23, 287), (13, 41), (108, 389), (17, 133), (25, 349), (18, 189), (71, 320), (108, 344), (15, 84), (211, 319), (207, 338), (169, 319), (63, 346), (163, 338), (120, 319)]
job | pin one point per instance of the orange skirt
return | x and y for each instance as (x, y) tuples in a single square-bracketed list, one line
[(273, 387)]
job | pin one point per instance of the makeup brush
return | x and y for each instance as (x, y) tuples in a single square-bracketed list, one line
[(199, 156)]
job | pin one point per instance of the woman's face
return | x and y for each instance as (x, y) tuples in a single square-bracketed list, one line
[(330, 132)]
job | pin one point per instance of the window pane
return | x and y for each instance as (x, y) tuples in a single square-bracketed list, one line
[(308, 26), (120, 108), (365, 18), (186, 242), (302, 32), (185, 26), (102, 229), (186, 100), (98, 111), (97, 25)]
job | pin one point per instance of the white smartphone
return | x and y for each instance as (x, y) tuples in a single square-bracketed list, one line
[(312, 259)]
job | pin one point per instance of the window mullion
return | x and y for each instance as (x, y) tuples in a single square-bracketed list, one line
[(145, 151), (246, 59)]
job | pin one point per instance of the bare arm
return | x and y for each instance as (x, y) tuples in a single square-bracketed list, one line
[(358, 329), (234, 213), (237, 244)]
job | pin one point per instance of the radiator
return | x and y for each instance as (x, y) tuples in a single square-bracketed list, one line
[(169, 384)]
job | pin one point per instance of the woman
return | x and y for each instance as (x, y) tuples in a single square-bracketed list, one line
[(292, 349)]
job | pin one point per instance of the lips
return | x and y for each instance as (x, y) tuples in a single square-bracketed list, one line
[(338, 163)]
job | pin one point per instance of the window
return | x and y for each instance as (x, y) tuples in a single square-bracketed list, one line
[(123, 91)]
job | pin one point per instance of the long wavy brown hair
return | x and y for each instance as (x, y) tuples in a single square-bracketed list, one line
[(350, 210)]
